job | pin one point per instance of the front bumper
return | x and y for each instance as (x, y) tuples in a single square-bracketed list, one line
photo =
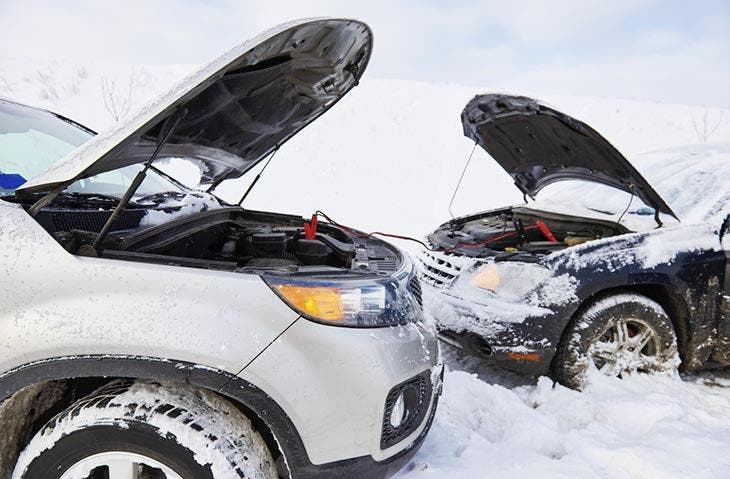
[(505, 334), (332, 383), (366, 467), (534, 361)]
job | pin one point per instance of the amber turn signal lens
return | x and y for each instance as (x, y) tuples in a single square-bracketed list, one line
[(319, 302), (531, 357)]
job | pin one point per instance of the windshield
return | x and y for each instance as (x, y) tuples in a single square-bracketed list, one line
[(31, 140), (116, 182), (692, 180)]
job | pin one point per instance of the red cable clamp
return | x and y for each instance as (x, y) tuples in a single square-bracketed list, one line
[(310, 228), (546, 231)]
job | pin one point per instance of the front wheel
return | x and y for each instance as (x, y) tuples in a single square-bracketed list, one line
[(617, 335), (147, 430)]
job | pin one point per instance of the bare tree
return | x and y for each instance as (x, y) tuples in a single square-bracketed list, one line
[(118, 103), (48, 87), (5, 84), (704, 126)]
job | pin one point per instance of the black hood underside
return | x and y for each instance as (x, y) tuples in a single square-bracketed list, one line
[(538, 145)]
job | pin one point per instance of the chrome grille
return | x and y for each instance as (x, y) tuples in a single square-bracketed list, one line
[(441, 269)]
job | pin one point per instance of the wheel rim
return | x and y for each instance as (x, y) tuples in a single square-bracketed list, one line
[(627, 345), (119, 465)]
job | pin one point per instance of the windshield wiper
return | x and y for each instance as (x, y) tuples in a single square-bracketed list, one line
[(160, 197), (91, 196)]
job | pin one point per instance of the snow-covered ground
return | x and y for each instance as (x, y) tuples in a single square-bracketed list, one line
[(387, 157), (491, 424)]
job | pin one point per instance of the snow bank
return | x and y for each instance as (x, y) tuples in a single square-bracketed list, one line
[(641, 427)]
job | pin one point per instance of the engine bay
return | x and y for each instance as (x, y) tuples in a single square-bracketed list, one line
[(225, 238), (519, 230)]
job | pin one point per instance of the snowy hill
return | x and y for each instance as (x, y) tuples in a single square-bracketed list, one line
[(386, 157)]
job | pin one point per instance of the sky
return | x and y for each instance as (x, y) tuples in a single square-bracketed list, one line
[(667, 51)]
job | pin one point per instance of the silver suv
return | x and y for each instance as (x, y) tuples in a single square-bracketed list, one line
[(149, 329)]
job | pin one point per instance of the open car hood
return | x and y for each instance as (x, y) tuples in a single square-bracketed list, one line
[(537, 146), (237, 109)]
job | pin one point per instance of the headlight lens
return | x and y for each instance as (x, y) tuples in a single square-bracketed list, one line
[(487, 277), (364, 304), (511, 280)]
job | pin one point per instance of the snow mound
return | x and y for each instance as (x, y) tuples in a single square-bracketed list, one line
[(640, 427)]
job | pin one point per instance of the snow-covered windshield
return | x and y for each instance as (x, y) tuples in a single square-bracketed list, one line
[(693, 180), (31, 140)]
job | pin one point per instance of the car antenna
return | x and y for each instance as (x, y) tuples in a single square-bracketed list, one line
[(165, 132), (458, 185), (255, 180)]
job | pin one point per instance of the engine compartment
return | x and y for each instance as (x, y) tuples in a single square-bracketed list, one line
[(519, 230), (247, 242), (225, 238)]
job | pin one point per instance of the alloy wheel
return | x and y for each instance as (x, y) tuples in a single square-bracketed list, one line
[(628, 345), (119, 465)]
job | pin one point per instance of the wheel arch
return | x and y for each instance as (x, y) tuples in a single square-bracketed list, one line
[(64, 375)]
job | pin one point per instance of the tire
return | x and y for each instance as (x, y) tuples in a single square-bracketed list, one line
[(617, 335), (172, 431)]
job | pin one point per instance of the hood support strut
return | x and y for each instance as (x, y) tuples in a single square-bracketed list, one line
[(165, 132)]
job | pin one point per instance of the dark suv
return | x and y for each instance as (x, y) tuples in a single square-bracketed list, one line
[(581, 280)]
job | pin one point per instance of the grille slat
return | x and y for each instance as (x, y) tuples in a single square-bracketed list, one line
[(93, 220), (414, 286)]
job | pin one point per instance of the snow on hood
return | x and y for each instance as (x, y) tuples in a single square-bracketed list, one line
[(538, 145), (646, 250), (237, 109)]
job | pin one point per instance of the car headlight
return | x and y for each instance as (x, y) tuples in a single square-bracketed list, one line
[(364, 304), (509, 279)]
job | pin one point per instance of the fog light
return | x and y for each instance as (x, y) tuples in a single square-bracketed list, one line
[(399, 412)]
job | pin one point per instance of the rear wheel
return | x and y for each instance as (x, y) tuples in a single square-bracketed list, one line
[(618, 335), (147, 431)]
